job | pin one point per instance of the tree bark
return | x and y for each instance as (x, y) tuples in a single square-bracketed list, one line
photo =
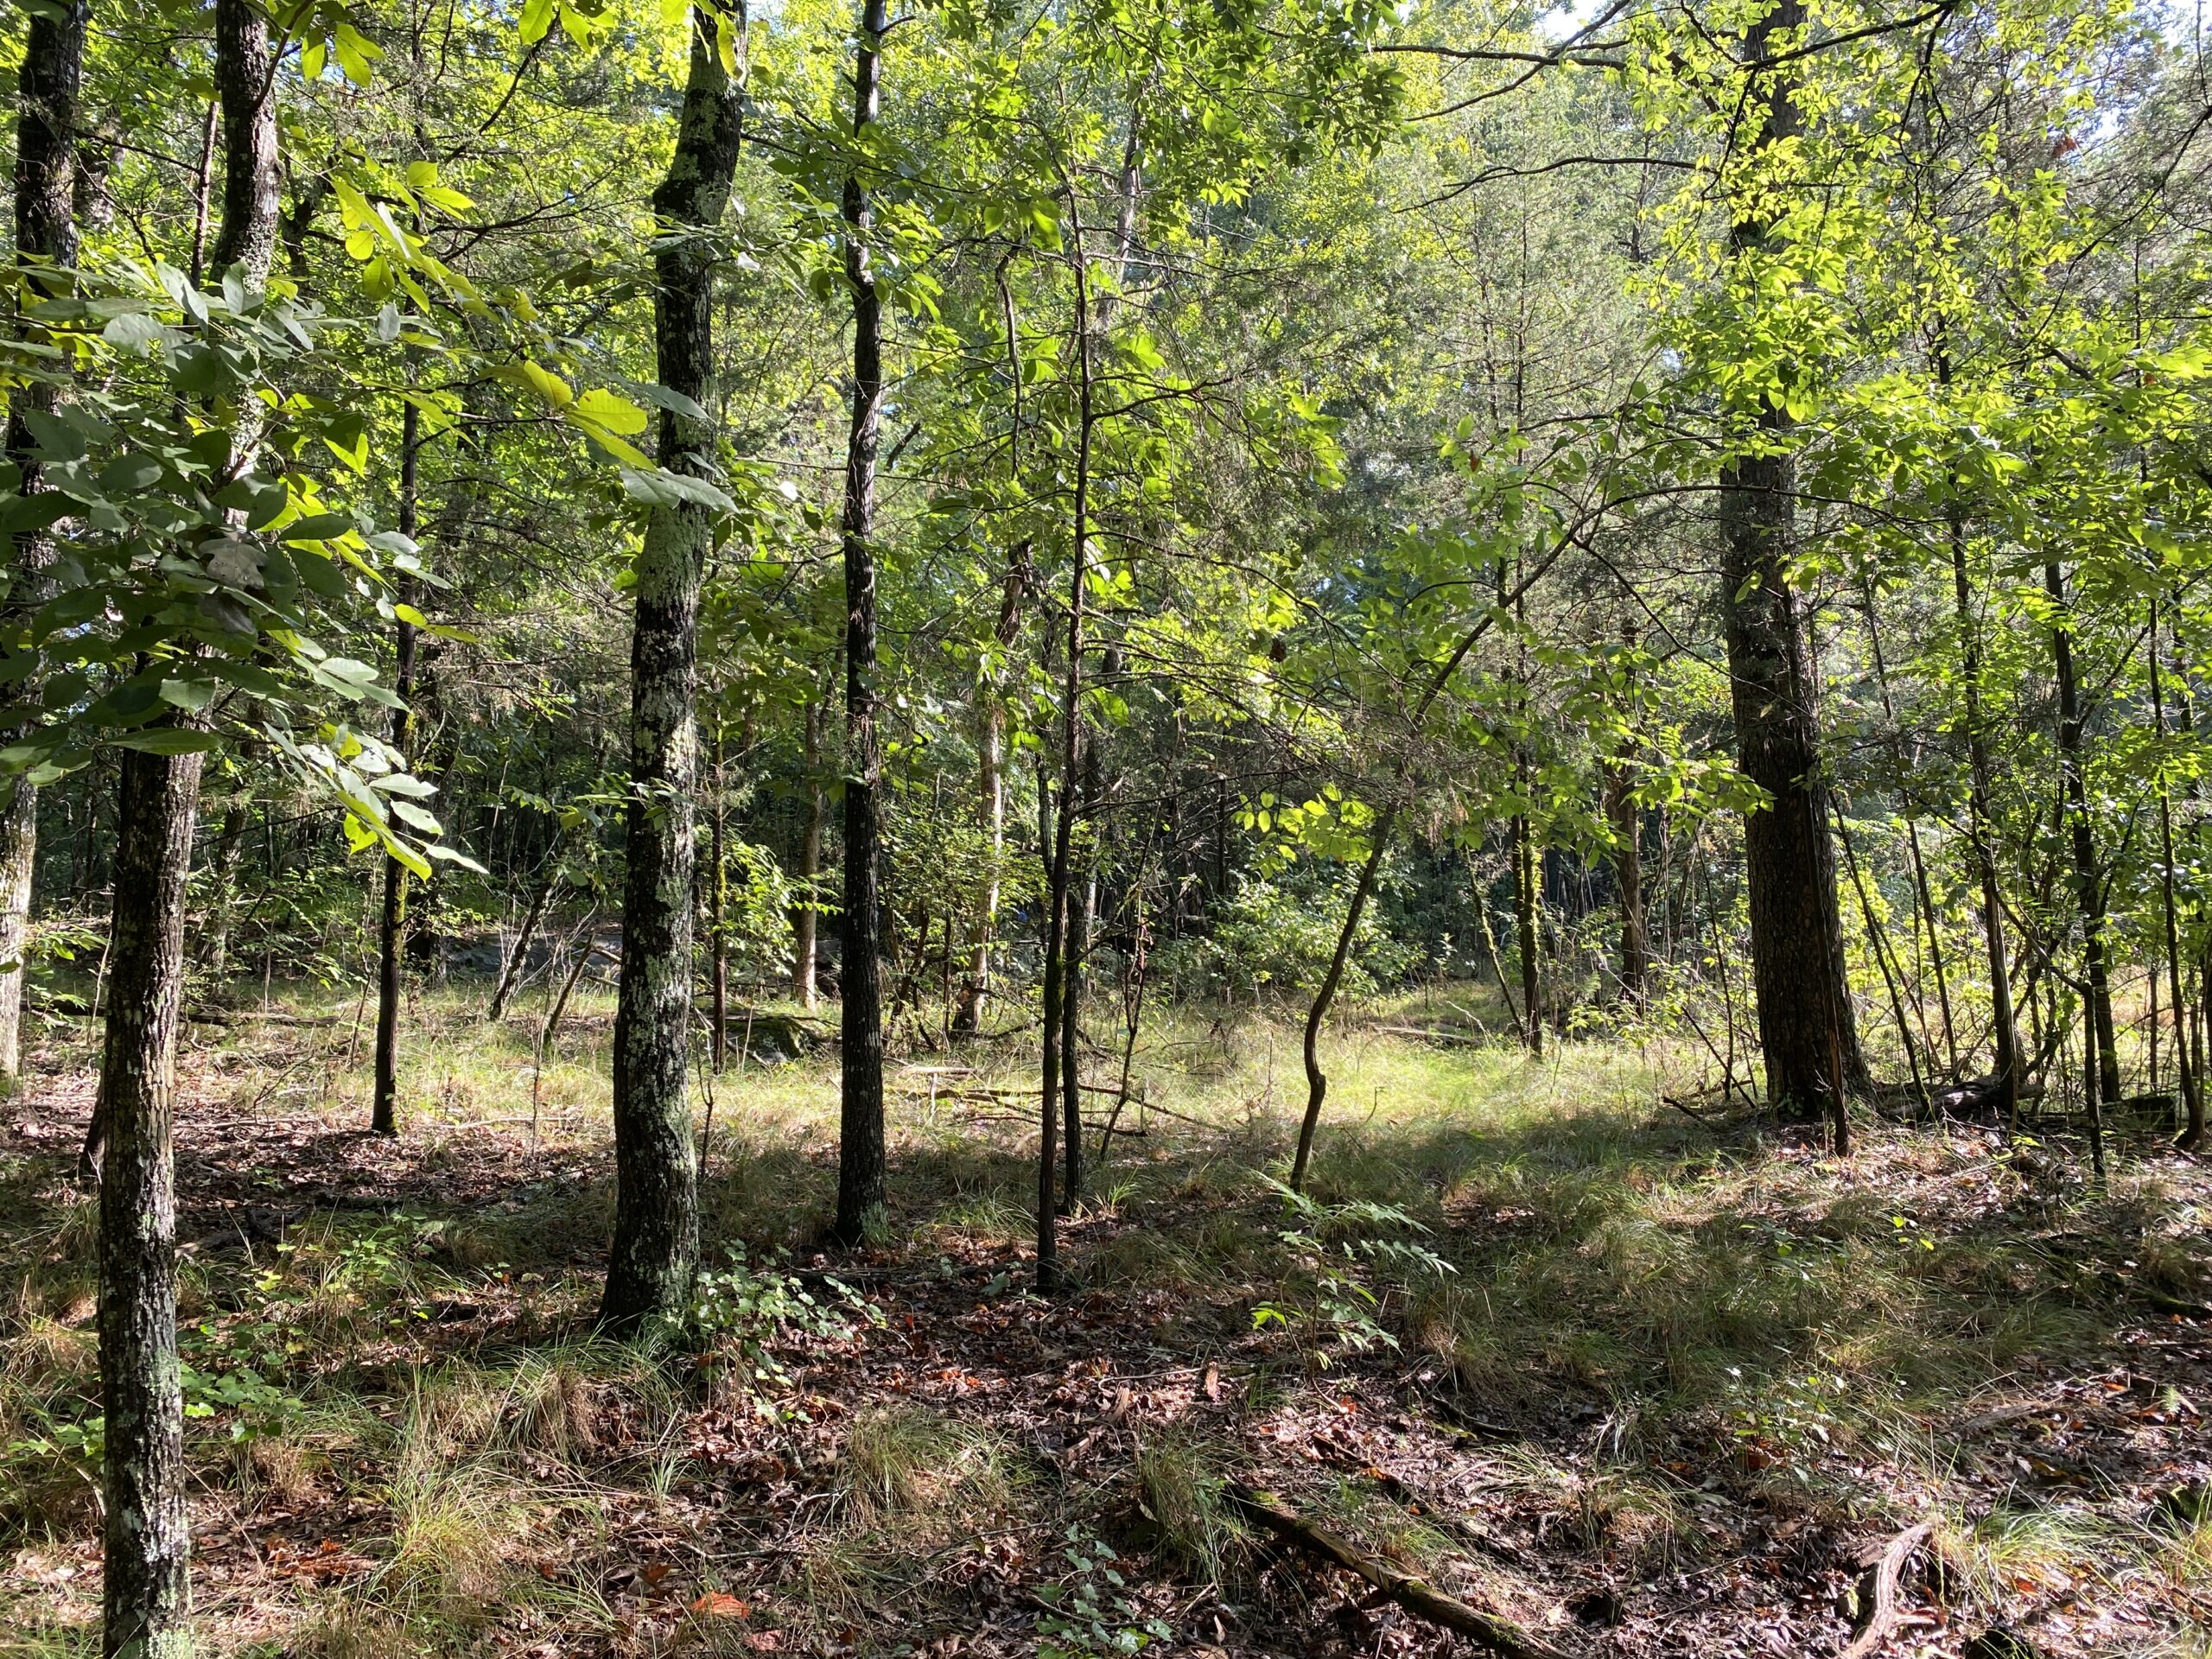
[(990, 791), (655, 1253), (1524, 922), (147, 1589), (48, 95), (253, 181), (861, 1173), (1807, 1032), (511, 973), (1628, 876), (2005, 1021), (384, 1109), (2191, 1085), (805, 920), (2089, 892), (718, 913), (146, 1546), (1058, 1059)]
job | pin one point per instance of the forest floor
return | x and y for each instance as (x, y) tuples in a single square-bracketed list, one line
[(1640, 1383)]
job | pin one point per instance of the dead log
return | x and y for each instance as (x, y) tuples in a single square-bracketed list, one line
[(1887, 1569), (1448, 1039), (258, 1016), (1416, 1595)]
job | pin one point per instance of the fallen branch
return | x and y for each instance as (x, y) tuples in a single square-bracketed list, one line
[(258, 1016), (1417, 1596), (1887, 1569), (2000, 1415), (1427, 1033)]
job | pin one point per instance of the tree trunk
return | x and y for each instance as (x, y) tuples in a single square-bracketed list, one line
[(1058, 1057), (655, 1255), (1524, 923), (2006, 1032), (1628, 876), (146, 1586), (2089, 892), (718, 916), (384, 1111), (861, 1174), (253, 181), (147, 1594), (1082, 894), (1806, 1029), (223, 863), (1316, 1081), (990, 789), (2191, 1085), (48, 90), (2193, 1136), (806, 918), (511, 971)]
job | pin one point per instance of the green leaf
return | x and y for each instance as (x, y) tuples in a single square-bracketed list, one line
[(191, 695), (129, 474), (356, 52), (317, 527), (603, 408)]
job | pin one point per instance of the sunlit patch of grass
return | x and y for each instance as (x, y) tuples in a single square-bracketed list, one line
[(1658, 1309), (1386, 1527), (929, 1471), (1637, 1524), (279, 1467), (41, 1635), (1181, 1481), (2016, 1551), (989, 1219), (343, 1628), (458, 1532)]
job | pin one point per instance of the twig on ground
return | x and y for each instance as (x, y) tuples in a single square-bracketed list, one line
[(1887, 1569)]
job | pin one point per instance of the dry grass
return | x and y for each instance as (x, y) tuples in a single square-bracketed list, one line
[(1689, 1330)]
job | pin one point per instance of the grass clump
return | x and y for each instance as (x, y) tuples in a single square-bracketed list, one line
[(1184, 1493)]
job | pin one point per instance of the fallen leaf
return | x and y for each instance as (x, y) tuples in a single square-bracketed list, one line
[(720, 1603)]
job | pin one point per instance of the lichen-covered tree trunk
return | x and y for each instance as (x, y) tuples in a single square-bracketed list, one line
[(148, 1540), (147, 1586), (861, 1174), (655, 1254), (48, 93)]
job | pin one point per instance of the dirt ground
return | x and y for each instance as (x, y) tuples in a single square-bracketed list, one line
[(1633, 1384)]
